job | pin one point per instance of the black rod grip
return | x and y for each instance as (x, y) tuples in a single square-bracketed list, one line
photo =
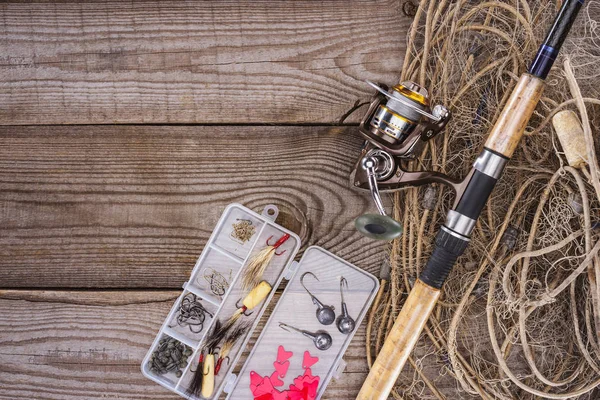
[(447, 250), (476, 194)]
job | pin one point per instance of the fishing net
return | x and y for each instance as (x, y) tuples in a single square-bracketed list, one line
[(520, 313)]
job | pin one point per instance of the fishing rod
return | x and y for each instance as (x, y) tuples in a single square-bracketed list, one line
[(400, 121)]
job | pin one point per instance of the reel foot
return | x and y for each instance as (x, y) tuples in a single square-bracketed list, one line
[(378, 227)]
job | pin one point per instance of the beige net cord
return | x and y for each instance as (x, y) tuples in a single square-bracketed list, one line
[(520, 313)]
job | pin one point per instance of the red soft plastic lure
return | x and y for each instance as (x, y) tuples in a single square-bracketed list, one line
[(304, 386)]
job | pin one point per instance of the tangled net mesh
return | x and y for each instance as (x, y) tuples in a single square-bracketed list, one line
[(520, 313)]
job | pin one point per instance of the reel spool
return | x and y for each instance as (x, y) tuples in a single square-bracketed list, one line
[(397, 125)]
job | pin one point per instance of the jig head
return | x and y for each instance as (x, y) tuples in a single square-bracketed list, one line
[(345, 323), (325, 314), (396, 127), (321, 339)]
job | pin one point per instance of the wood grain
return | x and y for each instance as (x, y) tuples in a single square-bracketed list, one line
[(194, 62), (133, 206), (74, 345)]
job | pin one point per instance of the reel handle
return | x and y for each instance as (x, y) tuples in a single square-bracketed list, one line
[(374, 226), (369, 164)]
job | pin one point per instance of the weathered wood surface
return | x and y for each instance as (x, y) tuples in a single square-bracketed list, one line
[(194, 62), (132, 206), (89, 344), (74, 345)]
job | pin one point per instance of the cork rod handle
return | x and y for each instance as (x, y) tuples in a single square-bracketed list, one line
[(400, 342), (510, 126)]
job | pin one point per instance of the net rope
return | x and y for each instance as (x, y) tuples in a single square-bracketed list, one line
[(520, 313)]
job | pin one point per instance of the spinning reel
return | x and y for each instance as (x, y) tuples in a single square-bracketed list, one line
[(396, 127)]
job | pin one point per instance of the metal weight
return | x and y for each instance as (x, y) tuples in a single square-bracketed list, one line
[(321, 339), (345, 323)]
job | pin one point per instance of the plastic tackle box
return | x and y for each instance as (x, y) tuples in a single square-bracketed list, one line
[(284, 363)]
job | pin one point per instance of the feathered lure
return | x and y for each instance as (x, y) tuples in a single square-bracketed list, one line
[(229, 342), (256, 268), (203, 382)]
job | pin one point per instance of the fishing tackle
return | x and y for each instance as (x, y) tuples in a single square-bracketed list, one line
[(396, 127), (191, 313), (215, 336), (228, 344), (472, 195), (256, 268), (252, 299), (304, 386), (170, 356), (204, 376), (217, 282), (345, 323), (325, 314), (223, 333), (195, 386), (208, 376), (321, 339), (243, 230)]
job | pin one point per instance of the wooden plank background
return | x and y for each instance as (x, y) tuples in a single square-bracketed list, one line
[(132, 206), (74, 345), (127, 127), (194, 62)]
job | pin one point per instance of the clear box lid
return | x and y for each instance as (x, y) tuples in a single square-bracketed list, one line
[(289, 360)]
